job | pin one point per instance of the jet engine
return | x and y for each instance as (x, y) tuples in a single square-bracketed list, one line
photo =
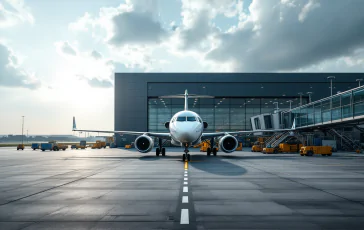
[(144, 143), (228, 143)]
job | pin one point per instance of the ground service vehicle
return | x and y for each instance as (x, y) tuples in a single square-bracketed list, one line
[(57, 146), (82, 145), (35, 146), (46, 146), (283, 148), (20, 146), (99, 145), (257, 148), (311, 150)]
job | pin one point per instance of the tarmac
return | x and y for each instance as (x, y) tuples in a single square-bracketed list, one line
[(125, 189)]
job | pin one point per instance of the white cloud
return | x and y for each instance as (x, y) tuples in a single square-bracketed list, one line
[(88, 66), (273, 38), (11, 73), (310, 6), (13, 12), (96, 55), (65, 48)]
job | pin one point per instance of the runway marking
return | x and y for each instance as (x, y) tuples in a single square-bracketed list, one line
[(185, 182), (186, 179), (186, 174), (184, 217), (186, 165), (185, 189), (185, 199)]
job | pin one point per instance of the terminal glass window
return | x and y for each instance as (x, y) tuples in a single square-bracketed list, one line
[(221, 114)]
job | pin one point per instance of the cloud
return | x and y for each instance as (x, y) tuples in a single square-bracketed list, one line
[(288, 35), (133, 22), (97, 83), (11, 74), (135, 28), (13, 12), (65, 48), (96, 55)]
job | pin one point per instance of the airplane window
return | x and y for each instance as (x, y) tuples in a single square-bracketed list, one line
[(199, 119), (181, 118), (191, 118)]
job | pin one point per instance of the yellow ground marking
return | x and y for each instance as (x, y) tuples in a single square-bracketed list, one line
[(186, 164)]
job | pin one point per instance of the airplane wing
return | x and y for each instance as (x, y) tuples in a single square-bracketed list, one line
[(219, 134), (161, 135)]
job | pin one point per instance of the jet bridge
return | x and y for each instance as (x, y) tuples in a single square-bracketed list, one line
[(327, 115)]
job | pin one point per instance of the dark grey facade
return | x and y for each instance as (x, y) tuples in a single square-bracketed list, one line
[(237, 96)]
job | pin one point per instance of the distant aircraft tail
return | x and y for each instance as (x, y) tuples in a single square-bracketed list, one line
[(186, 99), (74, 124)]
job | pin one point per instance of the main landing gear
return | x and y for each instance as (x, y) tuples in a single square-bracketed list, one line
[(160, 149), (186, 155), (213, 150)]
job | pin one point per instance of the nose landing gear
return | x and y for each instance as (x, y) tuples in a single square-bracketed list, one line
[(186, 155)]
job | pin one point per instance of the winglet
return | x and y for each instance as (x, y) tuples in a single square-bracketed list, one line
[(74, 124), (186, 99), (294, 124)]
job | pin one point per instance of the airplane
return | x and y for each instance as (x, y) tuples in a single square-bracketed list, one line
[(186, 128)]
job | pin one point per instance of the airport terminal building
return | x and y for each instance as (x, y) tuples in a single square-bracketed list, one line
[(236, 97)]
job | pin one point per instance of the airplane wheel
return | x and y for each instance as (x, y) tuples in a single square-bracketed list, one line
[(163, 151), (188, 157), (208, 151), (157, 152), (183, 158), (214, 151)]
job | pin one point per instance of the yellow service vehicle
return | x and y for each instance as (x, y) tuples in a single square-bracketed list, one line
[(311, 150), (289, 148), (240, 147), (99, 145), (57, 146), (20, 146), (257, 148)]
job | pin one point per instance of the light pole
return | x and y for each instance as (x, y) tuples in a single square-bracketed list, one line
[(301, 94), (359, 80), (27, 137), (309, 96), (22, 130), (331, 78), (290, 104)]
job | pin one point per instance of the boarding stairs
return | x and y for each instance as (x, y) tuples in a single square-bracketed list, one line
[(271, 139), (278, 138), (347, 142)]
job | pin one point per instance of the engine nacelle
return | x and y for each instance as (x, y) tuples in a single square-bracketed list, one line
[(228, 144), (144, 143)]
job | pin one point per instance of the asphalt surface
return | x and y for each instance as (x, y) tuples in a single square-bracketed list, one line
[(124, 189)]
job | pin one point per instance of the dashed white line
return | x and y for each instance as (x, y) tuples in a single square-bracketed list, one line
[(186, 178), (186, 174), (184, 217), (185, 182), (185, 199), (185, 189)]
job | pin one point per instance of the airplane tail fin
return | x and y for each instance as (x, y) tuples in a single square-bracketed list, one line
[(74, 124), (186, 99), (294, 124)]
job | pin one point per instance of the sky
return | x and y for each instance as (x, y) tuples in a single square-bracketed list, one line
[(58, 58)]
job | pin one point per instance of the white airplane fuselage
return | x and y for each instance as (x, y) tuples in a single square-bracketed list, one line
[(186, 128)]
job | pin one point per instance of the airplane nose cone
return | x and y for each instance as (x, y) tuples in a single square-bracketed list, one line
[(186, 137)]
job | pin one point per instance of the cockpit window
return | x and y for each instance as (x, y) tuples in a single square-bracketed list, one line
[(191, 118), (199, 119), (181, 118)]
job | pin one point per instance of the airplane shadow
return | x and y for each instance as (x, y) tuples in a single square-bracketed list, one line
[(216, 165)]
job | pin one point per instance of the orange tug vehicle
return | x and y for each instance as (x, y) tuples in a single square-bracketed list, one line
[(311, 150)]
